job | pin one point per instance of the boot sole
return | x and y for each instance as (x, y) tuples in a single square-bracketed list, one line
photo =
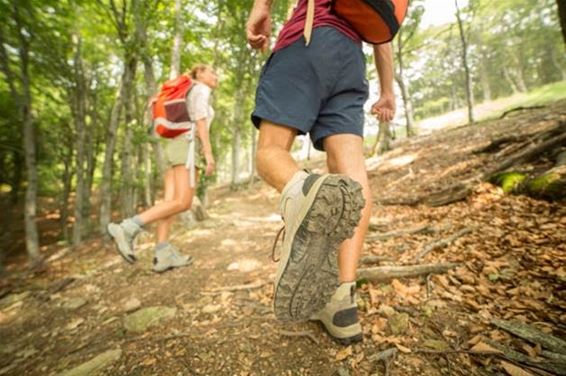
[(310, 275), (342, 341), (120, 243)]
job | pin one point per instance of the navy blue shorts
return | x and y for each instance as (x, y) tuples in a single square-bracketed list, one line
[(320, 89)]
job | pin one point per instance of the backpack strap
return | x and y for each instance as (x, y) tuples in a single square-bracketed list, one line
[(309, 22)]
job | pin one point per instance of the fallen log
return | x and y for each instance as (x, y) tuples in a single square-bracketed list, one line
[(249, 286), (533, 335), (520, 108), (373, 259), (386, 273), (442, 243), (552, 366), (398, 233)]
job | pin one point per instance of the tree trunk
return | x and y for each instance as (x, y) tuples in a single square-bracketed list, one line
[(236, 145), (509, 80), (383, 139), (562, 15), (465, 63), (16, 182), (151, 89), (32, 237), (67, 179), (484, 79), (127, 178), (253, 155), (79, 96), (106, 185), (147, 175), (176, 52), (403, 86), (237, 139)]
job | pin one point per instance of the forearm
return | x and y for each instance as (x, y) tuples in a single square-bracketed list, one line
[(202, 133), (383, 55)]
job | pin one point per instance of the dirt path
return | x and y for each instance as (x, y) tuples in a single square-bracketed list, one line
[(91, 305)]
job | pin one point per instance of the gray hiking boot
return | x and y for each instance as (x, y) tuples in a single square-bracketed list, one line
[(168, 258), (124, 235), (340, 315), (318, 218)]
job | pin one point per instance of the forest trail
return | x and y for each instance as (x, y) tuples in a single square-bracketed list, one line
[(216, 316)]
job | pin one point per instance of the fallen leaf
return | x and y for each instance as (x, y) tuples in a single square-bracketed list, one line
[(482, 347), (344, 353), (403, 349), (513, 370)]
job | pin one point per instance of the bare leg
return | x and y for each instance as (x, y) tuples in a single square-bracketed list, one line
[(274, 163), (345, 156), (164, 225), (168, 195), (182, 198)]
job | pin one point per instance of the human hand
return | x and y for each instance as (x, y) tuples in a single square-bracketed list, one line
[(258, 28), (384, 108), (210, 165)]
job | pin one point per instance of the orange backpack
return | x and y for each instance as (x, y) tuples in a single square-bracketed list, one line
[(169, 108), (376, 21)]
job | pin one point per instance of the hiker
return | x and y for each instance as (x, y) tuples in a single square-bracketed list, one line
[(316, 85), (180, 177)]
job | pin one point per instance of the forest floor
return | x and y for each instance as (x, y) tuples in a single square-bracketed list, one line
[(91, 311)]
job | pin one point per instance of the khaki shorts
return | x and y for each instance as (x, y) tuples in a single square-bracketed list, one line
[(177, 152)]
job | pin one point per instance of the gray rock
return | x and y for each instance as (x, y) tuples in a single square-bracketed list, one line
[(132, 305), (143, 319), (95, 365)]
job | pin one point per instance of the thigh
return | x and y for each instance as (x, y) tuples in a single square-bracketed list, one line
[(169, 185), (183, 190), (271, 134)]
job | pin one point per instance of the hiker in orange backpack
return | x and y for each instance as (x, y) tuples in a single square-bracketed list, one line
[(182, 116), (314, 82)]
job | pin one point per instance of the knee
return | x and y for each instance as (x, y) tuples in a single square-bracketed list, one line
[(182, 205)]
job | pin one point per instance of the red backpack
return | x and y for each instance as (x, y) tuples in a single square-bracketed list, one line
[(376, 21), (169, 108)]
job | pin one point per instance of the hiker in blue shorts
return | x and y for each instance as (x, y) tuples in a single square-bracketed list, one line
[(316, 85)]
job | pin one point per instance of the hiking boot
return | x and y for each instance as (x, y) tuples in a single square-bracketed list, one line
[(340, 316), (318, 217), (169, 257), (124, 235)]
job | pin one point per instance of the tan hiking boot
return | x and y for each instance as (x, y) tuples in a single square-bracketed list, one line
[(168, 258), (318, 216), (340, 316), (124, 235)]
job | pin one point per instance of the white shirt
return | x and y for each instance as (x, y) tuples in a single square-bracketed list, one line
[(198, 103)]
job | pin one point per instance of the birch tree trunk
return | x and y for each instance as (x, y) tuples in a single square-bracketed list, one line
[(112, 130), (175, 70), (80, 104), (465, 63)]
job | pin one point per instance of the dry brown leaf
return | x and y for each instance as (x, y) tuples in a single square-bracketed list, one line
[(475, 340), (344, 353), (403, 349), (513, 370), (482, 347)]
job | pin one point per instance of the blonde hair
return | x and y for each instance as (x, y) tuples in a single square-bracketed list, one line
[(196, 69)]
